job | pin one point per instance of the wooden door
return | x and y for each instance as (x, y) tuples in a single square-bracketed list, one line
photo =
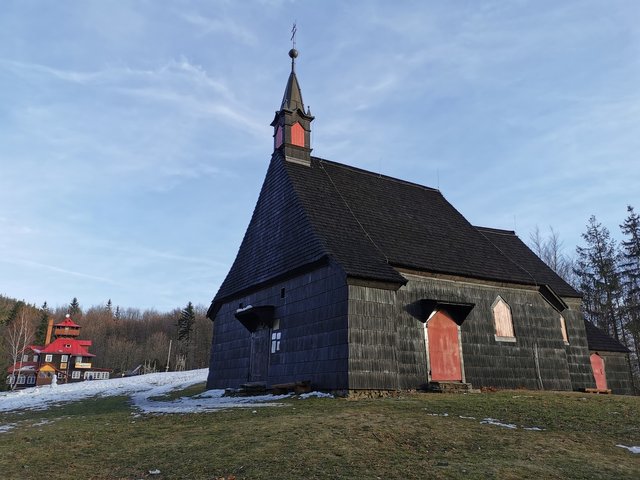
[(444, 348), (259, 360), (597, 365)]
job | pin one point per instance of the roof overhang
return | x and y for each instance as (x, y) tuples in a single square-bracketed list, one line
[(254, 318), (552, 298), (458, 311)]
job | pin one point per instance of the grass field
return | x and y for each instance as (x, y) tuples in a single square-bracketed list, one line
[(414, 436)]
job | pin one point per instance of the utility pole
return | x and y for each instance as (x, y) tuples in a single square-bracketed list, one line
[(168, 356)]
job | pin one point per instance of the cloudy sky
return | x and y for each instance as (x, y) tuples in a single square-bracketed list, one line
[(134, 135)]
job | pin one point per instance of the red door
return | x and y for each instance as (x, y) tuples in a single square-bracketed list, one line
[(597, 365), (444, 349)]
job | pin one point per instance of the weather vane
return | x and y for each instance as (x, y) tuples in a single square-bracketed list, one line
[(294, 29)]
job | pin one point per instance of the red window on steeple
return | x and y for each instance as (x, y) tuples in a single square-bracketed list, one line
[(297, 135)]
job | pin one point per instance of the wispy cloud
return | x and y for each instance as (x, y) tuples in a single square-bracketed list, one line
[(53, 268), (223, 25)]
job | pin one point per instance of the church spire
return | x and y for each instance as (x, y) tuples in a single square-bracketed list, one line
[(292, 125)]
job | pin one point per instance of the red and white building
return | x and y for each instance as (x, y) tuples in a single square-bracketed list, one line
[(65, 357)]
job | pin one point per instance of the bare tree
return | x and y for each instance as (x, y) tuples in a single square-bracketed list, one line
[(19, 334), (550, 250)]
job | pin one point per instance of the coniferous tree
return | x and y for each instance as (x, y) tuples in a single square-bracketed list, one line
[(185, 323), (41, 332), (599, 279), (630, 270), (185, 327), (74, 308), (109, 306)]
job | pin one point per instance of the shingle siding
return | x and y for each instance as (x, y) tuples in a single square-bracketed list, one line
[(383, 325), (313, 327)]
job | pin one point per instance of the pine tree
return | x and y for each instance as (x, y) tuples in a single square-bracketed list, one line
[(185, 323), (74, 308), (41, 333), (109, 306), (630, 266), (599, 279)]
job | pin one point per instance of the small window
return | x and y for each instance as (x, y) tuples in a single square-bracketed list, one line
[(275, 341), (282, 292), (563, 328), (35, 358), (64, 359), (25, 358), (241, 305), (67, 345), (75, 374), (31, 379), (21, 379), (503, 321), (48, 358), (9, 379)]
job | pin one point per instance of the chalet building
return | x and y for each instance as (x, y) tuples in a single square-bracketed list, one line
[(354, 280), (65, 357)]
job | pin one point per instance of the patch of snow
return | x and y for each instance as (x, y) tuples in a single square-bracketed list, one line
[(438, 414), (140, 388), (41, 423), (468, 418), (248, 307), (497, 423), (316, 395), (533, 429), (631, 449), (5, 428)]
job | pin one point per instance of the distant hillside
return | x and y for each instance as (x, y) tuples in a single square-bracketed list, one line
[(7, 304)]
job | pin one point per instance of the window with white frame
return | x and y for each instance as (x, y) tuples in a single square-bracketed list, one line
[(64, 358), (75, 375), (21, 379), (563, 329), (31, 379), (25, 358), (503, 320), (35, 358), (276, 335), (9, 379), (48, 358)]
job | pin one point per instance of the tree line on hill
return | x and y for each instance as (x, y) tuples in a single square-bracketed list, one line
[(122, 338), (607, 273)]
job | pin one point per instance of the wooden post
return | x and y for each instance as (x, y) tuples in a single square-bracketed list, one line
[(168, 356)]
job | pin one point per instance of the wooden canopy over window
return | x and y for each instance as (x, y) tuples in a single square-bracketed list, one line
[(255, 317), (457, 311)]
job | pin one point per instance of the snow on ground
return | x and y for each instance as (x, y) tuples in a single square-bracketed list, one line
[(491, 421), (140, 388), (631, 449)]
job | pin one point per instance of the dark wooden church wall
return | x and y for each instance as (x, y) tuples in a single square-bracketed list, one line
[(579, 365), (616, 368), (373, 354), (313, 326), (492, 363), (387, 350)]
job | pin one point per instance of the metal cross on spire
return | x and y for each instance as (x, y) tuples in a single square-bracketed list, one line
[(294, 29)]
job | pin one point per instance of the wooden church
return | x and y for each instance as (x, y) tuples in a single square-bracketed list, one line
[(352, 280)]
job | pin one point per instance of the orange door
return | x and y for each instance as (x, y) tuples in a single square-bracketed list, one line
[(444, 349), (597, 365)]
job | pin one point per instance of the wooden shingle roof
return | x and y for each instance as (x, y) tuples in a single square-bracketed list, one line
[(369, 225), (600, 341)]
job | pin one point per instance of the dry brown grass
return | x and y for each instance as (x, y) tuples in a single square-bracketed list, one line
[(395, 438)]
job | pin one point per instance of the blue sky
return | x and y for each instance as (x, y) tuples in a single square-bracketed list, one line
[(134, 135)]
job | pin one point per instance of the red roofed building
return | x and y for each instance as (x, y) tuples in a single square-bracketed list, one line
[(66, 358)]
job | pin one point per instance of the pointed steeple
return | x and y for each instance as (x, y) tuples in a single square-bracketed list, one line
[(292, 125)]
